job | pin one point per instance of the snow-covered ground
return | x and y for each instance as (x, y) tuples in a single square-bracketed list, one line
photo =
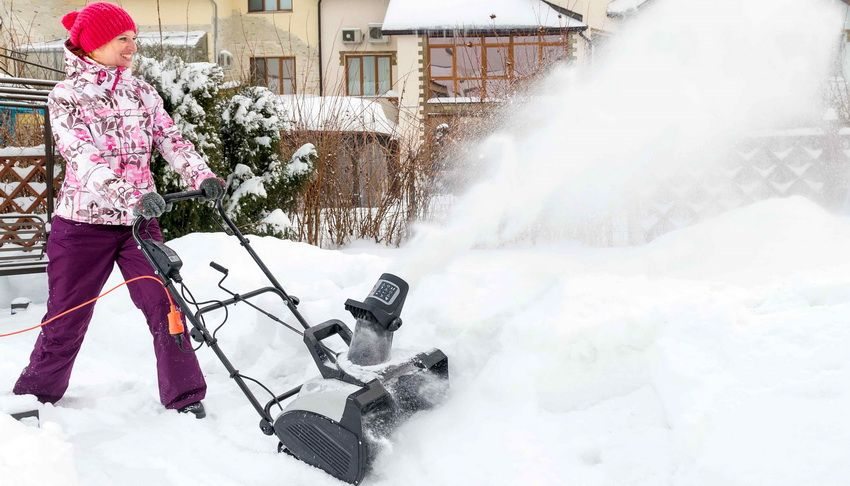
[(714, 355)]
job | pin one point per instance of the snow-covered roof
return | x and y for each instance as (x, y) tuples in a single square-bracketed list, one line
[(415, 15), (172, 38), (169, 38), (54, 45), (336, 113), (620, 8)]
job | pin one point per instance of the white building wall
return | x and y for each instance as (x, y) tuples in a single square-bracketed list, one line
[(344, 14), (31, 21), (403, 104), (594, 13), (411, 83)]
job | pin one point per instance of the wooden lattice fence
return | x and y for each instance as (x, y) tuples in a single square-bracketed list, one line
[(813, 163), (23, 183), (28, 178), (24, 206)]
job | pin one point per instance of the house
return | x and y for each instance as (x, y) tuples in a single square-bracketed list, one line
[(426, 62), (367, 48), (269, 42), (357, 59), (424, 65)]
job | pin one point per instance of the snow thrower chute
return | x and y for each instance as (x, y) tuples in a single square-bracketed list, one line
[(334, 421)]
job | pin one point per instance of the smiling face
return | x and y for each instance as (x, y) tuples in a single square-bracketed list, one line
[(117, 52)]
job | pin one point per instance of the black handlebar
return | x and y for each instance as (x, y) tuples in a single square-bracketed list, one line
[(291, 302), (173, 197), (182, 196), (219, 268)]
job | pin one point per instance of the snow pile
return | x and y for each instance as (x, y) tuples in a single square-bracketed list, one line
[(714, 355), (684, 362), (29, 455), (34, 457), (618, 366), (745, 246)]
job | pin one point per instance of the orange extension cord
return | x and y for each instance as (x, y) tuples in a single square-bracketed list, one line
[(175, 324)]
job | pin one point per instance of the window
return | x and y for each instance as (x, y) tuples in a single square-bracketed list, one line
[(485, 67), (269, 5), (276, 73), (368, 75)]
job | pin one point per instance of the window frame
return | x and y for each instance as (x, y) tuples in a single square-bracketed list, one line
[(346, 58), (263, 10), (294, 79), (508, 42)]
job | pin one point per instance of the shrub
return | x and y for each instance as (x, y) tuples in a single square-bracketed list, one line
[(191, 93), (262, 188)]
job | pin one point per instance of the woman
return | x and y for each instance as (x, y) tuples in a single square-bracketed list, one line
[(106, 122)]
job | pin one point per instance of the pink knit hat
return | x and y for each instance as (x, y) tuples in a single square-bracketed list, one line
[(96, 24)]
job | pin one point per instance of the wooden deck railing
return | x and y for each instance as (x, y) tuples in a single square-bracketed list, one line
[(23, 184)]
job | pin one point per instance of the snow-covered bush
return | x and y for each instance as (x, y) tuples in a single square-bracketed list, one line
[(190, 92), (261, 187)]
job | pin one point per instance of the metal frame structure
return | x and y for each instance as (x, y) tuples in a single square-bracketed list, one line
[(29, 94), (32, 94)]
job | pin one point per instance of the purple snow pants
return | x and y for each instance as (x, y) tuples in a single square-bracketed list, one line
[(81, 257)]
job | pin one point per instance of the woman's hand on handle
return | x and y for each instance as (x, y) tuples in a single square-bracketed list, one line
[(150, 205), (213, 188)]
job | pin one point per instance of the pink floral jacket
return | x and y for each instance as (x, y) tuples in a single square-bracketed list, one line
[(106, 122)]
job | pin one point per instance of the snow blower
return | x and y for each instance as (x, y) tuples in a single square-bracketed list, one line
[(335, 421)]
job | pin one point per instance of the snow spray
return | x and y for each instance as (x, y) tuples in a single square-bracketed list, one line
[(670, 91)]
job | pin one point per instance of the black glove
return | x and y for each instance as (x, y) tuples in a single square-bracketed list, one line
[(213, 188), (150, 205)]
